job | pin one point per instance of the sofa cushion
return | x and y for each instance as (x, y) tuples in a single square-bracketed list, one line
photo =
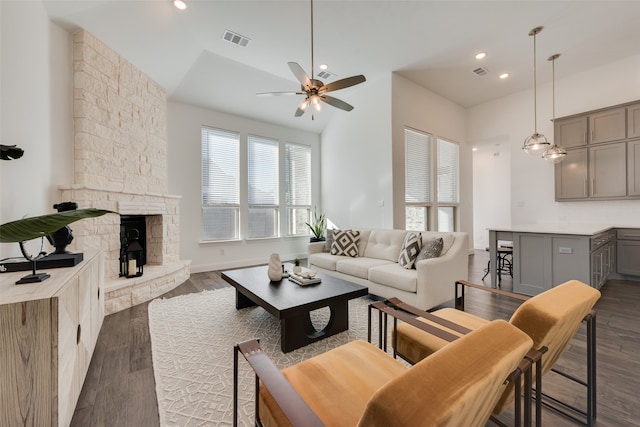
[(447, 239), (384, 244), (359, 267), (324, 260), (394, 276), (345, 242), (432, 249), (410, 250)]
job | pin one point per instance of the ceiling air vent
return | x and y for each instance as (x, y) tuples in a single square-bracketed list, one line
[(325, 75), (480, 71), (236, 38)]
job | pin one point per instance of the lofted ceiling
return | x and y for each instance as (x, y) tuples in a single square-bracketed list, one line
[(432, 43)]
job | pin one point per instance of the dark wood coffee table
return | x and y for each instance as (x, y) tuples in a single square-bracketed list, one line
[(291, 303)]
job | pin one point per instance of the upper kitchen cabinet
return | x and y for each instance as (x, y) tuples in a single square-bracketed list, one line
[(571, 132), (633, 121), (607, 126)]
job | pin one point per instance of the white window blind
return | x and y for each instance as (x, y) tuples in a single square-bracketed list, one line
[(263, 191), (448, 172), (220, 184), (417, 166), (297, 171)]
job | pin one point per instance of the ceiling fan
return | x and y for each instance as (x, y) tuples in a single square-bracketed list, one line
[(315, 90)]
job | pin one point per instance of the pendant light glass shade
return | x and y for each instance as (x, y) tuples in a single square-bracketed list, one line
[(536, 142), (555, 153)]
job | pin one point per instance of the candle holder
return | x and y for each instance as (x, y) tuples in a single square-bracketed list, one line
[(131, 256)]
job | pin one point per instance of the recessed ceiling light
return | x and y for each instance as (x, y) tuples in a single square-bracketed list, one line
[(180, 4), (323, 66), (481, 55), (504, 75)]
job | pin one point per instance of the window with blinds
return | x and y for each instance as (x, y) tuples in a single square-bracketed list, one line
[(263, 192), (418, 149), (448, 184), (297, 181), (220, 184), (425, 166), (448, 172)]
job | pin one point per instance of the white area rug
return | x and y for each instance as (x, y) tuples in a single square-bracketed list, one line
[(192, 339)]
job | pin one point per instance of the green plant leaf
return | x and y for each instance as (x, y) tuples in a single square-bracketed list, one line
[(39, 226), (9, 152)]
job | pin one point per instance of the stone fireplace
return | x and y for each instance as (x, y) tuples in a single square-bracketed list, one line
[(120, 164)]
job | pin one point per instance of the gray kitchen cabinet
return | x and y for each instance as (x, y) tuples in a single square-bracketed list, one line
[(572, 176), (542, 261), (633, 168), (628, 251), (608, 170), (570, 132), (607, 126), (602, 258), (603, 154), (633, 121)]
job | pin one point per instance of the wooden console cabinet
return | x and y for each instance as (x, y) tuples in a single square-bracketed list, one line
[(48, 333)]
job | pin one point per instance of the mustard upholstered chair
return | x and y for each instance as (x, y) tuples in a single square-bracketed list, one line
[(357, 384), (551, 319)]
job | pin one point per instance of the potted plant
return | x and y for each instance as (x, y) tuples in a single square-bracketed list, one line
[(25, 229), (296, 266), (317, 226)]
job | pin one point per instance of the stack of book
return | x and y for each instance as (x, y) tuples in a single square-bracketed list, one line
[(304, 281)]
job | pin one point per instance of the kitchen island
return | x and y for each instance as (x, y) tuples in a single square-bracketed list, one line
[(546, 255)]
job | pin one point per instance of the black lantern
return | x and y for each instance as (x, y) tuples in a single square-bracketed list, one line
[(131, 256)]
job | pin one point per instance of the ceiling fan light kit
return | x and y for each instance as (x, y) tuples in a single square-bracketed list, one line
[(314, 89), (535, 142)]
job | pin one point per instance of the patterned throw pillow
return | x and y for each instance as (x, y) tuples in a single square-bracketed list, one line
[(329, 241), (431, 249), (410, 250), (345, 242)]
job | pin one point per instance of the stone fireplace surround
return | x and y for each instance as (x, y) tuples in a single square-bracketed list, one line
[(163, 271), (120, 164)]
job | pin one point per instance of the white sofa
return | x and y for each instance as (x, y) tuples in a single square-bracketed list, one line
[(429, 284)]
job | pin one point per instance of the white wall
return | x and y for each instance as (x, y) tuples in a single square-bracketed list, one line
[(356, 160), (421, 109), (36, 112), (510, 119), (184, 123), (491, 189)]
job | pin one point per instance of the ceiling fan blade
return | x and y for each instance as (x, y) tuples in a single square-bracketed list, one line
[(336, 102), (342, 83), (302, 77), (279, 93)]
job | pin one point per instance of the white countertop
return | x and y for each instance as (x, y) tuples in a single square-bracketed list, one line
[(577, 229)]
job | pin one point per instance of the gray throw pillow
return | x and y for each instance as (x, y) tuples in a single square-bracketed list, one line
[(345, 242), (410, 250), (328, 241), (431, 249)]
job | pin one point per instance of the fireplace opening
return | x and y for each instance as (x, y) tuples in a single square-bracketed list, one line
[(128, 225)]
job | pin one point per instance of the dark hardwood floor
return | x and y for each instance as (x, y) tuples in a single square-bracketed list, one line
[(120, 388)]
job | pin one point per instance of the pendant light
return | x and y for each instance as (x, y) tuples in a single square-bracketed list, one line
[(535, 142), (555, 153)]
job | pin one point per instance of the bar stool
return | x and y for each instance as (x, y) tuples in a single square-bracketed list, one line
[(504, 261)]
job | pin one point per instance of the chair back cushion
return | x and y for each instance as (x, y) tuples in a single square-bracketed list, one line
[(551, 319), (456, 386)]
